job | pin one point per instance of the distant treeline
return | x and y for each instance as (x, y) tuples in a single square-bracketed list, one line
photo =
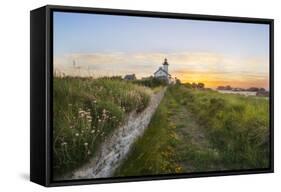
[(194, 85)]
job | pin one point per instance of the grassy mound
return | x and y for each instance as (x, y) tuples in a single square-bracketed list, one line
[(85, 112)]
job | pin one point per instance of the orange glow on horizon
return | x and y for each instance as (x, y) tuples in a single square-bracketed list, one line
[(214, 80)]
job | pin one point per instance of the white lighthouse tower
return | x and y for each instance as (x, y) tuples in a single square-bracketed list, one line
[(162, 72), (165, 65)]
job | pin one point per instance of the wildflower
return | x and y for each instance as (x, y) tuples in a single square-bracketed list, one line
[(76, 134), (93, 131), (81, 114), (104, 116), (86, 144), (63, 143), (89, 152)]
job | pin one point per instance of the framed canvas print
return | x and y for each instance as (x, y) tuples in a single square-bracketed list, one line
[(122, 95)]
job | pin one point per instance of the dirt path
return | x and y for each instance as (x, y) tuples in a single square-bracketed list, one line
[(115, 149), (193, 151), (190, 135), (188, 127), (174, 142)]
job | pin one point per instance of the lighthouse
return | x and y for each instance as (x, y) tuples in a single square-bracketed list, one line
[(162, 72), (165, 65)]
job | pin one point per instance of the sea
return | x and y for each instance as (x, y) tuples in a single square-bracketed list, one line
[(246, 93)]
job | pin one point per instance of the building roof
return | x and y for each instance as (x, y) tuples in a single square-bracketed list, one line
[(131, 76), (161, 69)]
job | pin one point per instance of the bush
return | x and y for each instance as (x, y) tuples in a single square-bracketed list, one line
[(151, 82)]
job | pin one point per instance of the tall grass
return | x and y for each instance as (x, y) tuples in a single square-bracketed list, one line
[(237, 126), (85, 112), (234, 130)]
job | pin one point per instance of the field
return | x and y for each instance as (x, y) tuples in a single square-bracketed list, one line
[(195, 130), (192, 130), (86, 111)]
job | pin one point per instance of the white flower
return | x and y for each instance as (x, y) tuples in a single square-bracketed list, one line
[(63, 143), (86, 144), (76, 134)]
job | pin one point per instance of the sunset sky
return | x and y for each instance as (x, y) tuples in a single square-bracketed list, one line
[(215, 53)]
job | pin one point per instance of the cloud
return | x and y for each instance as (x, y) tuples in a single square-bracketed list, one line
[(188, 66)]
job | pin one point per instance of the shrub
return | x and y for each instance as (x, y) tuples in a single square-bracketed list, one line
[(151, 82)]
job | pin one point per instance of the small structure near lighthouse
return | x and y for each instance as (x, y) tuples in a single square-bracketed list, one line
[(162, 72)]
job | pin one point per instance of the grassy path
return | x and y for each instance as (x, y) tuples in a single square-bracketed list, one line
[(193, 150), (173, 143), (199, 131)]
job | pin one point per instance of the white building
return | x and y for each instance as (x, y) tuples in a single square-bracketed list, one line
[(162, 72)]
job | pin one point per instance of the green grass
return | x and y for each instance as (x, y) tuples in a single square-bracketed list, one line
[(85, 112), (237, 126), (146, 156), (201, 130)]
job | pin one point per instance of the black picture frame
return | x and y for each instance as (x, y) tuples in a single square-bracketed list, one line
[(41, 61)]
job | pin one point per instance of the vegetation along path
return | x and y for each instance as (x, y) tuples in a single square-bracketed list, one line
[(115, 148), (190, 132)]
